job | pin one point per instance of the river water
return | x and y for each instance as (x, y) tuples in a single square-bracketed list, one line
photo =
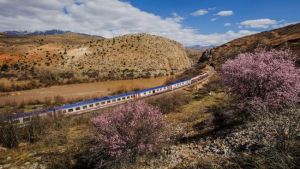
[(83, 90)]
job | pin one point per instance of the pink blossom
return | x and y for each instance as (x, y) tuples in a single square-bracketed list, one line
[(130, 129), (269, 78)]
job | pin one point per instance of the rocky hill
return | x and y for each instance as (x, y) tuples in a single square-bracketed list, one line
[(284, 38), (69, 57)]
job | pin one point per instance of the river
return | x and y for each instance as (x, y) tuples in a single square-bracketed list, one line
[(82, 90)]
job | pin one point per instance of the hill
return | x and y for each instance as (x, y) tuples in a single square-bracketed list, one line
[(283, 38), (71, 57)]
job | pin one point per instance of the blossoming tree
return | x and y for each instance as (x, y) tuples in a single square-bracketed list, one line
[(129, 130), (267, 78)]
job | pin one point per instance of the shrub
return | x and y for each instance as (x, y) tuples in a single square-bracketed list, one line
[(4, 67), (8, 135), (171, 102), (268, 84), (129, 130), (48, 77), (34, 130), (264, 78)]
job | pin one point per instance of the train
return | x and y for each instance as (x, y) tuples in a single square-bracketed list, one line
[(103, 102)]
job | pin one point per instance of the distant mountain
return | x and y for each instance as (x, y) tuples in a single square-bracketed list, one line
[(47, 32), (283, 38), (201, 47)]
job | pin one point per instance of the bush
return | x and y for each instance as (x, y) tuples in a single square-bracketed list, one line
[(8, 135), (267, 84), (128, 131), (263, 78), (34, 130), (171, 102), (4, 67)]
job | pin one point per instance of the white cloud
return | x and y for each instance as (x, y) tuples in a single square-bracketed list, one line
[(176, 18), (227, 24), (225, 13), (200, 12), (93, 17), (213, 19), (259, 23), (283, 24)]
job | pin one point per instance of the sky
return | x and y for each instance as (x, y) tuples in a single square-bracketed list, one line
[(190, 22)]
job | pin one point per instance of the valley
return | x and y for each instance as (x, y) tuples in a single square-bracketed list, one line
[(236, 105)]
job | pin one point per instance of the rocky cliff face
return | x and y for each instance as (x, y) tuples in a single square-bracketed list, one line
[(283, 38), (74, 55)]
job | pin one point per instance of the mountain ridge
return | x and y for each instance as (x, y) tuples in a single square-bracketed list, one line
[(282, 38), (46, 32), (71, 58)]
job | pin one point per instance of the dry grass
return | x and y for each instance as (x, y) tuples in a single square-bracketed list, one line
[(57, 146)]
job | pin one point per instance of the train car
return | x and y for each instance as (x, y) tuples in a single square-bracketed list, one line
[(179, 84), (198, 78), (95, 104), (152, 91)]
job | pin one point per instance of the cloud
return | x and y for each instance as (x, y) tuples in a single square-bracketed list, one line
[(200, 12), (227, 24), (282, 23), (93, 17), (225, 13), (213, 19), (175, 18), (259, 23)]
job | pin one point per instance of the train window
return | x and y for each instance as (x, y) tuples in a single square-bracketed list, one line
[(114, 100), (123, 98), (16, 121), (131, 96), (128, 97), (64, 111), (26, 119), (102, 102), (77, 108), (91, 105), (108, 101), (97, 104), (84, 107), (119, 99), (70, 110), (145, 93)]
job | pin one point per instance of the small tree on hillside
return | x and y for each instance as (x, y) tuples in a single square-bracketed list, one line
[(129, 130), (266, 78), (268, 83)]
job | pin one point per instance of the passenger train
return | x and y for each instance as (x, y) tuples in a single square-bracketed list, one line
[(98, 103)]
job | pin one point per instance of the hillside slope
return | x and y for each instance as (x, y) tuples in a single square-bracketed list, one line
[(70, 57), (284, 38)]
